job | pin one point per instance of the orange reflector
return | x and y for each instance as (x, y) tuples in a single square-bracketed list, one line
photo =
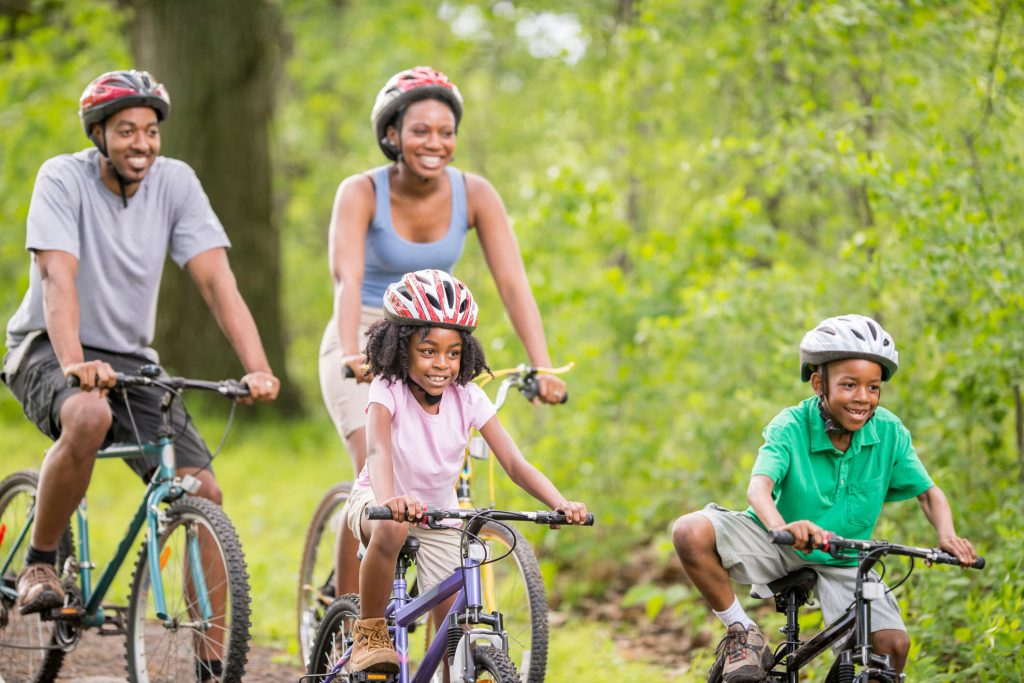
[(165, 554), (376, 677), (3, 530)]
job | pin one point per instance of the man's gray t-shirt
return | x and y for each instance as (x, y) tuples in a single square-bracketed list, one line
[(120, 251)]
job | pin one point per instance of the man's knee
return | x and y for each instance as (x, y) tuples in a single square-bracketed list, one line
[(692, 535), (208, 487), (85, 420)]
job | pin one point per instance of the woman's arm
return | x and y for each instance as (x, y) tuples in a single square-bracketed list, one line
[(525, 475), (350, 220), (936, 508), (501, 251)]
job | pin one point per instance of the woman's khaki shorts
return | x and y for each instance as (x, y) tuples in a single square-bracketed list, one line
[(345, 398), (753, 560), (440, 550)]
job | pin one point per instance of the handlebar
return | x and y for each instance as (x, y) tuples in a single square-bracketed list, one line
[(840, 547), (537, 517), (524, 378), (150, 375)]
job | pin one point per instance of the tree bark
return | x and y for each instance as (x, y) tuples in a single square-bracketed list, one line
[(219, 62)]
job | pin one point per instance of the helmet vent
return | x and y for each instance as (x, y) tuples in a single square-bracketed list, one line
[(874, 332)]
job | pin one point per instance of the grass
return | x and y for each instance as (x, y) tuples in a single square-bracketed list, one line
[(273, 475)]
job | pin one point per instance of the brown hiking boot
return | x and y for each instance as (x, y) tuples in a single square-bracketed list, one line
[(39, 588), (372, 649), (746, 654)]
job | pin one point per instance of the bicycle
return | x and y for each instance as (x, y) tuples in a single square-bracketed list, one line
[(855, 661), (519, 590), (475, 640), (183, 603)]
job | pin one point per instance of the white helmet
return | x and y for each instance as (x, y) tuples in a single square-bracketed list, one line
[(431, 297), (848, 336)]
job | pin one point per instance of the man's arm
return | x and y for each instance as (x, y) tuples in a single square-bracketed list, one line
[(57, 273), (212, 274)]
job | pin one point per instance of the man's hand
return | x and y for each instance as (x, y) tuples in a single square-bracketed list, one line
[(93, 374), (808, 535), (263, 386)]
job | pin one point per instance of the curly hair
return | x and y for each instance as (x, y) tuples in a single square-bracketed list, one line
[(387, 351)]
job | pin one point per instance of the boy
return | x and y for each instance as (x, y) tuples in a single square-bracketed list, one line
[(827, 463)]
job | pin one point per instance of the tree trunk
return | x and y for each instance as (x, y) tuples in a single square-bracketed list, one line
[(219, 61)]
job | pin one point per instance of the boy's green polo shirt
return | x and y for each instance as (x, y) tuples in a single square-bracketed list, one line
[(840, 492)]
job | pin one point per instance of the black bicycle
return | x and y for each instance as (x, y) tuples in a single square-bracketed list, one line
[(855, 661)]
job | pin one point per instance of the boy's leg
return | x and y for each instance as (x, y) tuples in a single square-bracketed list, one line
[(693, 536)]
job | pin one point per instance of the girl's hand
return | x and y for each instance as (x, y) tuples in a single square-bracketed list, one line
[(552, 389), (961, 548), (404, 508), (808, 535), (575, 513)]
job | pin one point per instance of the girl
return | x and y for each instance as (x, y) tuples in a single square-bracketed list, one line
[(422, 404)]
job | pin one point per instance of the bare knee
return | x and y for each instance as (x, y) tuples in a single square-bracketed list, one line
[(892, 642), (389, 537), (693, 536), (208, 486), (85, 420)]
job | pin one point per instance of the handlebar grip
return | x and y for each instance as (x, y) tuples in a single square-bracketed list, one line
[(556, 517), (73, 381), (236, 389), (347, 372), (782, 537), (378, 512), (979, 563)]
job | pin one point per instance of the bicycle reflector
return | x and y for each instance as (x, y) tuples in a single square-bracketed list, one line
[(165, 554), (3, 530)]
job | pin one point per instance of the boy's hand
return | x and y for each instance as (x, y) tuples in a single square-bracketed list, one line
[(404, 508), (808, 535), (575, 513), (960, 548)]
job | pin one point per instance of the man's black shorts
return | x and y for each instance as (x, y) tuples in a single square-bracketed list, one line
[(40, 387)]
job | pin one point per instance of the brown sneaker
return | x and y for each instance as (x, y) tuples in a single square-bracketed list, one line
[(372, 649), (746, 654), (39, 588)]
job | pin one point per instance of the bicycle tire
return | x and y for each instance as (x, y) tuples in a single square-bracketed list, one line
[(158, 653), (28, 645), (316, 569), (494, 665), (334, 635), (521, 599)]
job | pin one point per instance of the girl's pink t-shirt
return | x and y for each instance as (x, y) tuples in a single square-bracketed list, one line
[(427, 450)]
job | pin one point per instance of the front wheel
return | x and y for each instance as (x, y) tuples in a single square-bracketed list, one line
[(30, 648), (491, 664), (316, 570), (514, 587), (205, 635), (333, 636)]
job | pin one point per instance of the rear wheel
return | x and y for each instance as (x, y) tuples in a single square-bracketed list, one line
[(334, 635), (195, 534), (30, 647), (316, 570)]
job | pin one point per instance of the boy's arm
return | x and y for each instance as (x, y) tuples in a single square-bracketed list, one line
[(936, 508), (525, 475), (381, 468), (759, 494)]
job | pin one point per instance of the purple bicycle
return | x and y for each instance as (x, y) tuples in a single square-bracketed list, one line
[(474, 642)]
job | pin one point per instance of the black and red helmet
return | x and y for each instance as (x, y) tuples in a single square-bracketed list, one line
[(117, 90), (405, 87)]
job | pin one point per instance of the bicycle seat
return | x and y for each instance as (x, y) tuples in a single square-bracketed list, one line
[(411, 547), (802, 579)]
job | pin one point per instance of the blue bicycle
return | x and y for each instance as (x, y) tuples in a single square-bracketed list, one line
[(474, 642), (189, 600)]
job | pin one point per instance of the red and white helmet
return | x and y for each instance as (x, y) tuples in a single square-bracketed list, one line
[(117, 90), (405, 87), (431, 297)]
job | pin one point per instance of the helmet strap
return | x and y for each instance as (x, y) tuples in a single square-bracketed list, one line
[(427, 396), (121, 183)]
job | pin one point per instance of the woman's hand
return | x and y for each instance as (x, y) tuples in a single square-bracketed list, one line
[(552, 388), (404, 508), (360, 370), (575, 513)]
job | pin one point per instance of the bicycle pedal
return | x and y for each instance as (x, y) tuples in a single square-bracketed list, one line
[(113, 621), (371, 677)]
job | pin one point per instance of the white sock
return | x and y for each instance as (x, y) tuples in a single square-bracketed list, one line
[(734, 613)]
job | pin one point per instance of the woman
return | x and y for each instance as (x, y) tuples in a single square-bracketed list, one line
[(410, 215)]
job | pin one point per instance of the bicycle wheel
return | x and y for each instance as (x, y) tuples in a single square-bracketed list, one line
[(493, 665), (515, 588), (30, 648), (316, 571), (174, 650), (334, 635)]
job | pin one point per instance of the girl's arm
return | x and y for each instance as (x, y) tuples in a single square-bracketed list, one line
[(936, 508), (806, 533), (501, 251), (350, 220), (525, 475), (381, 467)]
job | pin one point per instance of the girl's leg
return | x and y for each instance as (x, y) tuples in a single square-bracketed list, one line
[(373, 649)]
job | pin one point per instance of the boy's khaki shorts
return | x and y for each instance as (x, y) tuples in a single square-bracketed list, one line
[(751, 558), (440, 550)]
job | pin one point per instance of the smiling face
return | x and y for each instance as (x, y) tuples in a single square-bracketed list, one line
[(434, 361), (132, 139), (427, 137), (854, 387)]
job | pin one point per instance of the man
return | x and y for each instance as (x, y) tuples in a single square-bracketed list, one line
[(100, 226)]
